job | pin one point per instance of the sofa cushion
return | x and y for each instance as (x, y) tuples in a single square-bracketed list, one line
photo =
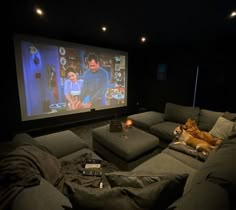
[(220, 169), (146, 119), (205, 195), (165, 163), (222, 128), (230, 116), (164, 130), (180, 114), (207, 119), (233, 132), (44, 196), (19, 139), (184, 158), (62, 143), (139, 178)]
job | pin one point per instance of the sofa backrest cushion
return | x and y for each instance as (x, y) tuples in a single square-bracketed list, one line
[(180, 114), (220, 168), (207, 119), (61, 143), (205, 195), (222, 128), (20, 139), (220, 164), (230, 116)]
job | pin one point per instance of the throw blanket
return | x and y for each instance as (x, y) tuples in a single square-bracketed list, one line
[(24, 166), (188, 150)]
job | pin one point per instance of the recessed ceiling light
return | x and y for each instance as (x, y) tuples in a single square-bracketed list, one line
[(104, 28), (143, 39), (39, 11), (233, 14)]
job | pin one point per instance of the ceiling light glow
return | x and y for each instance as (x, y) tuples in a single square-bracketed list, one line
[(104, 28), (233, 14), (143, 39), (39, 11)]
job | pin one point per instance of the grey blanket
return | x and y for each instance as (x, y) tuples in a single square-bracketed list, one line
[(24, 165), (188, 150)]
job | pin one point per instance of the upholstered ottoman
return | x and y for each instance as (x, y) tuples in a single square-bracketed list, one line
[(126, 149)]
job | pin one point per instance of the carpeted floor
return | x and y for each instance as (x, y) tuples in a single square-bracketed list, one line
[(85, 131)]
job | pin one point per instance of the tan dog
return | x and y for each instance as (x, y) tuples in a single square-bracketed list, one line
[(188, 139), (192, 128)]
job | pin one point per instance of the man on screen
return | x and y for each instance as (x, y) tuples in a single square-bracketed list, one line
[(95, 83)]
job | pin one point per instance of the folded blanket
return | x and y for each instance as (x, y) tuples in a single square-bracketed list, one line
[(188, 150)]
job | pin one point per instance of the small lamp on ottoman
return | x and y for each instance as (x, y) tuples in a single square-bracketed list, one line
[(128, 123)]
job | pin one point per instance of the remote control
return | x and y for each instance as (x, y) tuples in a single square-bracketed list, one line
[(93, 161), (92, 165), (91, 172)]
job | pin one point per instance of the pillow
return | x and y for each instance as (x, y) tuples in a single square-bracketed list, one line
[(232, 117), (180, 114), (222, 128), (207, 119), (138, 178), (167, 186), (134, 195)]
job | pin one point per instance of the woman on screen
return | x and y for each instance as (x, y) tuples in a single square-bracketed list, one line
[(72, 89)]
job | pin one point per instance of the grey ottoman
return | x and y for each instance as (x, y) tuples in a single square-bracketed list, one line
[(126, 149)]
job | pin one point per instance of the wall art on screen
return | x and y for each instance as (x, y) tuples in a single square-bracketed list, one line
[(58, 78)]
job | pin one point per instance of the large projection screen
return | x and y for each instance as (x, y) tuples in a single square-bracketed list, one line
[(57, 78)]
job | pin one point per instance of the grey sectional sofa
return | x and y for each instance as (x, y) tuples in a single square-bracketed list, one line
[(210, 184), (163, 124)]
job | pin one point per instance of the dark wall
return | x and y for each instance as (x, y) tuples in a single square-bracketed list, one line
[(215, 87)]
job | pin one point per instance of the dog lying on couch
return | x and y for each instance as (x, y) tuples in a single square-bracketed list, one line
[(191, 127), (184, 137)]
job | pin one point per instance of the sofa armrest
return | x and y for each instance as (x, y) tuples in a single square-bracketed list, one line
[(147, 119), (44, 196)]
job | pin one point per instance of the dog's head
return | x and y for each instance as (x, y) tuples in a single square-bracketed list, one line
[(190, 125), (178, 131)]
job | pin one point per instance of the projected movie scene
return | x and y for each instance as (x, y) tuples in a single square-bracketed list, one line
[(58, 78)]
